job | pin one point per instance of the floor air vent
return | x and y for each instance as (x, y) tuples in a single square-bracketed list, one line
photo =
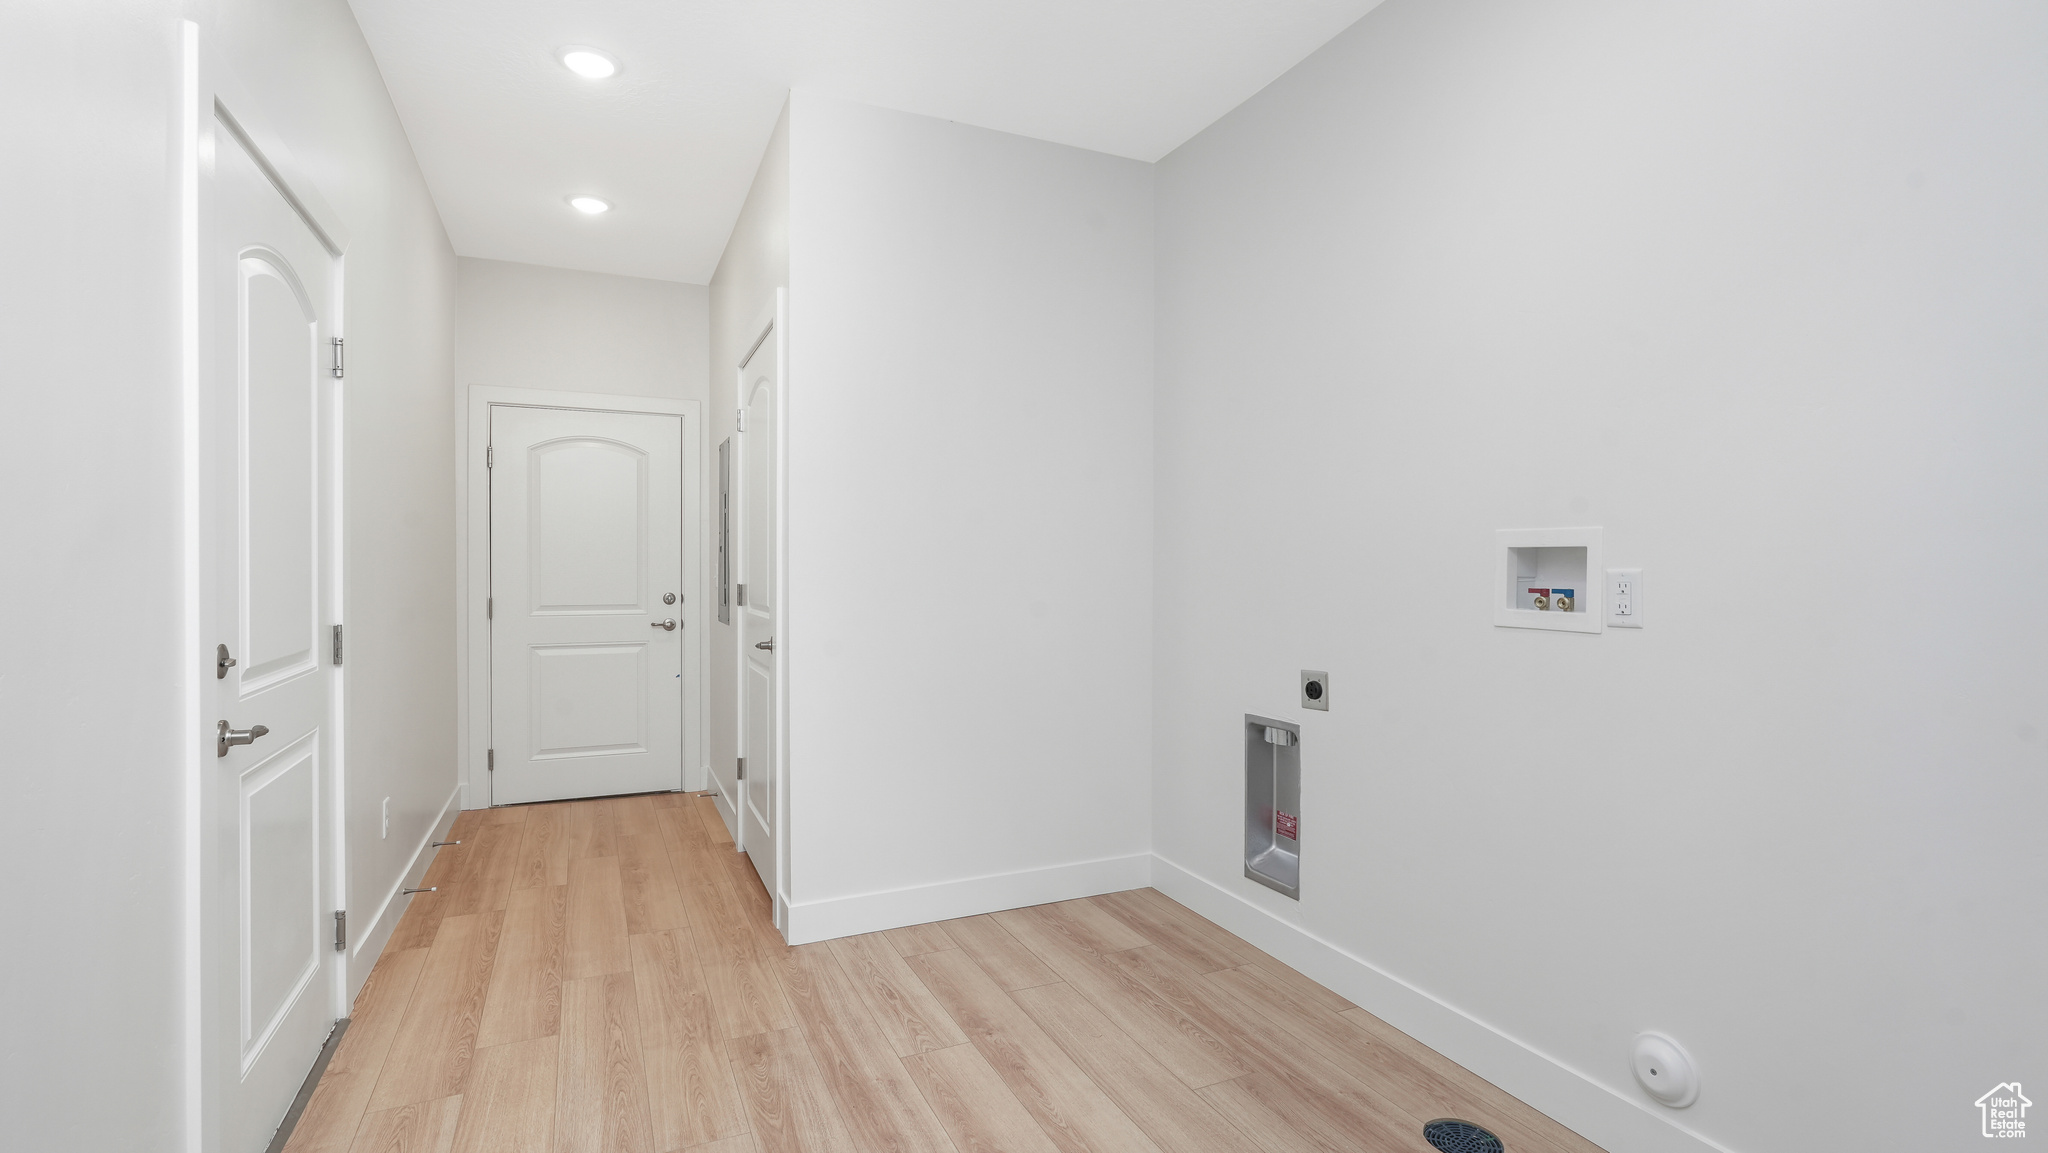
[(1460, 1137)]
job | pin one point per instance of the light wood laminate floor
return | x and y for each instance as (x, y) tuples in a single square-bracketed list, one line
[(603, 976)]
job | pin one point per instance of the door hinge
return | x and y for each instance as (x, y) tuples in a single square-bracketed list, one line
[(337, 644), (742, 426), (490, 456), (490, 760), (739, 595), (743, 768), (490, 606), (337, 356), (340, 930)]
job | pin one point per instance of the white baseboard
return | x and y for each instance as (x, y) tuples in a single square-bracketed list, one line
[(873, 912), (367, 943), (727, 811), (1592, 1110)]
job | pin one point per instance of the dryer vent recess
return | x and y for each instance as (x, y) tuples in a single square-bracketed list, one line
[(1272, 804)]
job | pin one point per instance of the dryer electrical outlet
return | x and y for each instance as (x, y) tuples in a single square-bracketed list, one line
[(1315, 690)]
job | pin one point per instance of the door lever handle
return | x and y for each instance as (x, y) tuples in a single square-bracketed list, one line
[(668, 623), (230, 737), (768, 644)]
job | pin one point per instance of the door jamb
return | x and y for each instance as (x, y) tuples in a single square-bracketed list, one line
[(473, 572)]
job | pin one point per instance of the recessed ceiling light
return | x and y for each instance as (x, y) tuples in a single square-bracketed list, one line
[(590, 205), (588, 63)]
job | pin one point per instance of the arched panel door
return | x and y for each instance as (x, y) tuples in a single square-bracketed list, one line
[(269, 893), (759, 614), (587, 620)]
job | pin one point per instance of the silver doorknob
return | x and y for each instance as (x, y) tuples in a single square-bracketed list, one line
[(768, 644), (229, 737), (668, 623)]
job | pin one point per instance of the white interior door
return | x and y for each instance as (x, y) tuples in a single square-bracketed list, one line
[(270, 969), (587, 616), (760, 700)]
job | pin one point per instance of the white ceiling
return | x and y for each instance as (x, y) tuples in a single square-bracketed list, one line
[(504, 132)]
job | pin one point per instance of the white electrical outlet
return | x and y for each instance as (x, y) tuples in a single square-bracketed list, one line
[(1624, 598), (387, 817)]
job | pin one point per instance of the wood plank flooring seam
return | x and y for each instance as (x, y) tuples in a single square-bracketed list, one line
[(1072, 1111), (431, 1054), (880, 1104), (1081, 951), (978, 1111)]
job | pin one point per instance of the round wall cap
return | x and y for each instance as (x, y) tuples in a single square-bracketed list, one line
[(1665, 1070)]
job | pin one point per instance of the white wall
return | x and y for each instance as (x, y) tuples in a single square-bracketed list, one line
[(754, 265), (1762, 290), (308, 68), (969, 471), (525, 326), (560, 330), (92, 654), (90, 576)]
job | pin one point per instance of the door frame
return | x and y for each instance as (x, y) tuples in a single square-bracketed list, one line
[(473, 573), (214, 103), (773, 324)]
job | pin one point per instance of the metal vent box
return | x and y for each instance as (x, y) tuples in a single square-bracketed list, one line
[(1272, 804)]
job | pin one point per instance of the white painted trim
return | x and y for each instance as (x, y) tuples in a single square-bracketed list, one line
[(1603, 1115), (473, 577), (225, 99), (922, 904), (367, 940), (780, 908), (728, 811), (192, 1044)]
